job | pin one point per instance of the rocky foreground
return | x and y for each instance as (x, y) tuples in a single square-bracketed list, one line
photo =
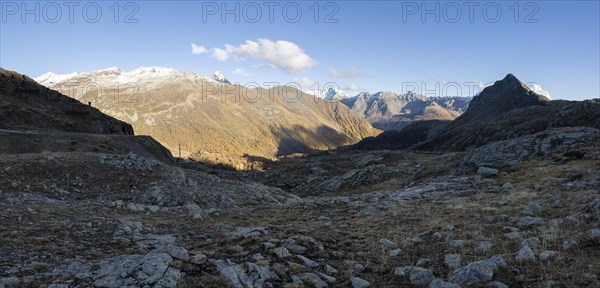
[(519, 212)]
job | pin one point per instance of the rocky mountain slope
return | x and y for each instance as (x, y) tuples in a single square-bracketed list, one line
[(390, 111), (105, 210), (212, 119), (25, 104), (507, 109)]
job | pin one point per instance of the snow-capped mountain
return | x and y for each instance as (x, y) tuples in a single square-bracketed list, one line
[(114, 75), (179, 110), (387, 110), (334, 94), (220, 77), (51, 79)]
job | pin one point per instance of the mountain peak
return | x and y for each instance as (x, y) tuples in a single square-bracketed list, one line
[(505, 95), (220, 77), (334, 93), (110, 69)]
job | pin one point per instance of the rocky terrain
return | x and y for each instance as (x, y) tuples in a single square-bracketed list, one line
[(26, 104), (212, 119), (505, 110), (92, 209)]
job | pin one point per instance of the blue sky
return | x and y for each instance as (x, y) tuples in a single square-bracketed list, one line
[(374, 46)]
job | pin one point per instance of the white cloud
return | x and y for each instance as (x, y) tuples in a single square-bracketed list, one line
[(284, 55), (198, 50), (352, 87), (538, 89), (348, 74), (241, 72), (223, 54), (267, 65)]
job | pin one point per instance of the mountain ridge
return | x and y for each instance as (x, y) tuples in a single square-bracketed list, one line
[(208, 118)]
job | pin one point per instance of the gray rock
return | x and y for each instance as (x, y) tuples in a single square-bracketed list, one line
[(525, 254), (136, 207), (358, 267), (137, 270), (439, 283), (177, 252), (198, 258), (258, 275), (424, 262), (170, 278), (402, 271), (487, 171), (387, 243), (548, 236), (308, 262), (483, 245), (10, 281), (246, 232), (595, 233), (78, 269), (452, 261), (478, 272), (547, 255), (529, 221), (314, 280), (531, 242), (497, 284), (56, 285), (507, 186), (420, 276), (572, 218), (370, 209), (417, 239), (514, 235), (327, 278), (359, 283), (258, 257), (395, 252), (281, 252), (568, 244), (296, 249), (236, 248), (246, 275), (457, 243), (296, 280), (532, 208), (267, 245), (152, 240), (194, 211), (437, 236), (330, 269)]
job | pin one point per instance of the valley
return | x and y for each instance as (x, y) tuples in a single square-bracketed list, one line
[(486, 200)]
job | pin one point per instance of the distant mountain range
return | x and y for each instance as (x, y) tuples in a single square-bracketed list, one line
[(209, 117), (505, 110), (391, 111)]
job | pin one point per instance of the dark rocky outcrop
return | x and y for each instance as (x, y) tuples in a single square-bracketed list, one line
[(27, 105)]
